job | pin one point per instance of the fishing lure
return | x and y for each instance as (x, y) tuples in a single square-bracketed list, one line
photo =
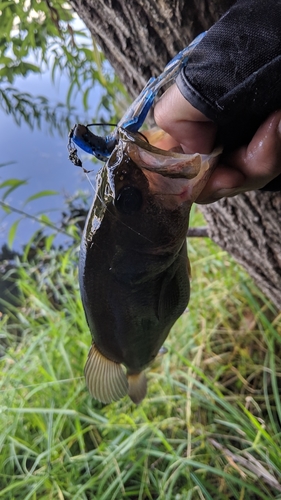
[(133, 119)]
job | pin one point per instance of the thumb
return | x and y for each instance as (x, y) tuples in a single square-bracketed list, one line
[(184, 123)]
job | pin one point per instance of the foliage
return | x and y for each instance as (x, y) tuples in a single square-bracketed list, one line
[(35, 110), (209, 428), (26, 28), (70, 224), (37, 35)]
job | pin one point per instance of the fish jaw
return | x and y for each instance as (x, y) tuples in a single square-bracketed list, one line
[(193, 187), (195, 169)]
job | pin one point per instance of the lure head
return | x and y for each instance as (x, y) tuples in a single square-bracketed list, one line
[(134, 270), (81, 136)]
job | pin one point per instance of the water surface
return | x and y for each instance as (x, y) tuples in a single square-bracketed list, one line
[(41, 159)]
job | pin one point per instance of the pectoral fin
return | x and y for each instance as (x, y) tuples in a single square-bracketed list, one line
[(105, 379)]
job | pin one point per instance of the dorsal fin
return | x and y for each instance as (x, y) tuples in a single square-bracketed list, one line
[(105, 379)]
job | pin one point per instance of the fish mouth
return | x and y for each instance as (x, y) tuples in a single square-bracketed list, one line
[(170, 173)]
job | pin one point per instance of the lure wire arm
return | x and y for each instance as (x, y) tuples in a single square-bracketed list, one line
[(134, 117)]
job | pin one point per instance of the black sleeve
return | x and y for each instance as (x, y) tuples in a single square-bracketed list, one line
[(234, 74)]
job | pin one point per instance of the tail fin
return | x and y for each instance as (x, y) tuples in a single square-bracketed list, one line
[(105, 379), (137, 387)]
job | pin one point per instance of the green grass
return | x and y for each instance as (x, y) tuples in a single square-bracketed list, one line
[(210, 427)]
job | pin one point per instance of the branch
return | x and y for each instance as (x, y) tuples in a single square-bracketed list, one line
[(198, 232), (250, 463), (33, 217)]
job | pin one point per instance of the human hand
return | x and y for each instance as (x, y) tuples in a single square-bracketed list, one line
[(247, 168)]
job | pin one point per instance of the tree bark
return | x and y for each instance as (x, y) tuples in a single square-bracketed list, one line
[(248, 226), (139, 38)]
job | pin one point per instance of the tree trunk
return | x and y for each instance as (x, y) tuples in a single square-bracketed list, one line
[(139, 38), (248, 227)]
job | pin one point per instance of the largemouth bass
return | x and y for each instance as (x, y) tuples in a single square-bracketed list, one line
[(134, 268)]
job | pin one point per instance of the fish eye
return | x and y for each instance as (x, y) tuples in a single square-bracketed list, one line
[(129, 200)]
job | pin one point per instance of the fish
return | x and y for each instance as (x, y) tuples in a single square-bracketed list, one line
[(134, 271)]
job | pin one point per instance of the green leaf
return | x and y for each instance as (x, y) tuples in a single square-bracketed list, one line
[(35, 109), (46, 220), (49, 241), (5, 207), (13, 183), (12, 232), (3, 5), (7, 163), (85, 98), (31, 67), (40, 195)]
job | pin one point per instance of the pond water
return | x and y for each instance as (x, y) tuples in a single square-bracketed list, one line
[(41, 159)]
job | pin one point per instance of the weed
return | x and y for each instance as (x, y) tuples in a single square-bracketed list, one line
[(209, 428)]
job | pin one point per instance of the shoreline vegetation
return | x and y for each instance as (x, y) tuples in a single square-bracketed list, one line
[(209, 426)]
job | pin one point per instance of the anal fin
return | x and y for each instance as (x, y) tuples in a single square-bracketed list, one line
[(137, 387), (105, 379)]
